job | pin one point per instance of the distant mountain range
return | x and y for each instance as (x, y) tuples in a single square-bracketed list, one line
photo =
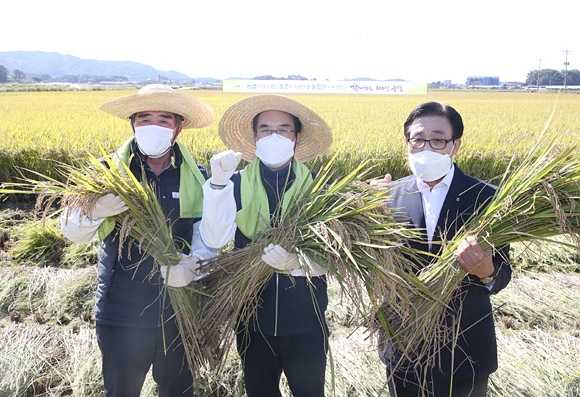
[(54, 67), (45, 65)]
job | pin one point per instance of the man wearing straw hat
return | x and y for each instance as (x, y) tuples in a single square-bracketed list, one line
[(437, 200), (288, 331), (135, 329)]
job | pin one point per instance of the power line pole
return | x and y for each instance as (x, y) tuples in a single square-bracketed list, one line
[(566, 63)]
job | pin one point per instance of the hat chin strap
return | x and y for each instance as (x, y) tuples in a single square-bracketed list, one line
[(148, 156)]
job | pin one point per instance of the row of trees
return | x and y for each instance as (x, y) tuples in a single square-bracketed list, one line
[(17, 75), (553, 77)]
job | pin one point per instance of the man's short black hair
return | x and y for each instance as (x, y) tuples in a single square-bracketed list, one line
[(436, 109)]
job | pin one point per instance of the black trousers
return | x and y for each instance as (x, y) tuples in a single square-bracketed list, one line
[(409, 386), (302, 358), (129, 353)]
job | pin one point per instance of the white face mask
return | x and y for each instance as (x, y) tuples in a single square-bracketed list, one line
[(274, 150), (153, 140), (429, 166)]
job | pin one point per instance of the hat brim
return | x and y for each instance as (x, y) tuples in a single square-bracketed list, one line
[(236, 129), (195, 112)]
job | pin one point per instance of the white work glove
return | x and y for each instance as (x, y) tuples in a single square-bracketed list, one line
[(223, 165), (280, 259), (186, 270), (108, 205), (310, 269)]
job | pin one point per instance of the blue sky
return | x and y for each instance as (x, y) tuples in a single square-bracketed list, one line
[(324, 39)]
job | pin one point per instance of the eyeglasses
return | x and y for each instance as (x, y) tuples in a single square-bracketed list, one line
[(436, 144), (280, 131)]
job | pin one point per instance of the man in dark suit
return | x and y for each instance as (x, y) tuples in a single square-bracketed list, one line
[(438, 199)]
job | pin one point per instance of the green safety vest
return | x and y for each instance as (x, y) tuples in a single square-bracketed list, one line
[(190, 186), (254, 216)]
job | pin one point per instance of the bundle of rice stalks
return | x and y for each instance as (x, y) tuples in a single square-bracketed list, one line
[(344, 227), (539, 199), (144, 224)]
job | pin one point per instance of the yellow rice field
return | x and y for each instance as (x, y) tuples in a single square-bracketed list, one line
[(498, 124)]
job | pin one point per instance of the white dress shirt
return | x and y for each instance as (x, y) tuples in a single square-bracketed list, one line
[(433, 201)]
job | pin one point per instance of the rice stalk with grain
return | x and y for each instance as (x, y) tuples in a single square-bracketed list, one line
[(537, 200), (144, 224), (343, 226)]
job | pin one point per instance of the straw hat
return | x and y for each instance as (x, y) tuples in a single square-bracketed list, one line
[(236, 130), (161, 98)]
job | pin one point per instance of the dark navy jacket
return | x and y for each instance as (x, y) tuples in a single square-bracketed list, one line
[(128, 292), (286, 304), (476, 350)]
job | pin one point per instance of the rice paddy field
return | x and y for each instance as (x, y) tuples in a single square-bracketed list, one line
[(47, 342), (38, 126)]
